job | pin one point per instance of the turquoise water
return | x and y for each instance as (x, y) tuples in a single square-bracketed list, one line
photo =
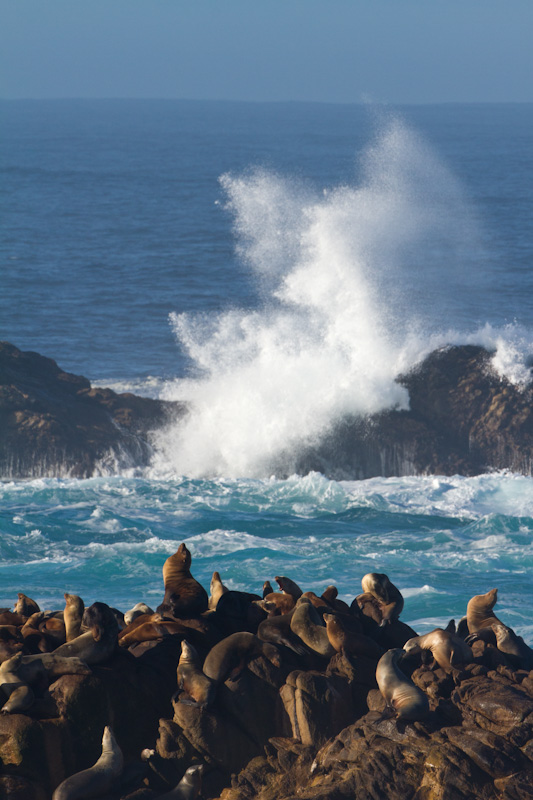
[(276, 266)]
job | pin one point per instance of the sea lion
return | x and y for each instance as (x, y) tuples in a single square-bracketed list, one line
[(137, 610), (307, 624), (217, 589), (198, 689), (479, 613), (513, 646), (189, 787), (73, 615), (11, 642), (369, 608), (99, 642), (19, 671), (346, 636), (388, 596), (149, 631), (227, 659), (288, 586), (267, 589), (278, 602), (12, 618), (401, 694), (184, 596), (97, 779), (25, 605), (237, 611), (277, 630), (330, 596), (448, 650)]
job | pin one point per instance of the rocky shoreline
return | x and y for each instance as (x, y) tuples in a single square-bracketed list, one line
[(463, 419), (271, 696)]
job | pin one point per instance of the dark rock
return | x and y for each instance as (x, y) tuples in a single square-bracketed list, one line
[(53, 423)]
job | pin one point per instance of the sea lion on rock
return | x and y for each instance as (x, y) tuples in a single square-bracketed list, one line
[(227, 659), (97, 644), (217, 589), (307, 624), (278, 603), (288, 586), (513, 646), (184, 596), (237, 611), (189, 787), (25, 605), (96, 780), (448, 650), (73, 615), (479, 613), (401, 694), (21, 670), (198, 689), (388, 596), (346, 636), (277, 630)]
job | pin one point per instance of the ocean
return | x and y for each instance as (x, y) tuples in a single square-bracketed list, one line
[(276, 266)]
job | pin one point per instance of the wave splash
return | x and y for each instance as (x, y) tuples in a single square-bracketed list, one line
[(352, 278)]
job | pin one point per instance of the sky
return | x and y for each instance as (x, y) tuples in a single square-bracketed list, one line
[(337, 51)]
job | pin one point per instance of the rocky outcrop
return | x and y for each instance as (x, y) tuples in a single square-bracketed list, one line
[(52, 423), (463, 419)]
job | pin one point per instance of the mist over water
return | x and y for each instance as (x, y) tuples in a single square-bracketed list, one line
[(353, 278)]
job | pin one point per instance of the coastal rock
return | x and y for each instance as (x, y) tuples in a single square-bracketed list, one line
[(52, 423)]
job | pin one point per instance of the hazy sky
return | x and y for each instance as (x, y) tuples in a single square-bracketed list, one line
[(391, 51)]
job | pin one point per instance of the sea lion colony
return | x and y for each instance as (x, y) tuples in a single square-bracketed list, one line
[(220, 635)]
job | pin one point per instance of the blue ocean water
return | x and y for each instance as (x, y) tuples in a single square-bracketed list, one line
[(276, 265)]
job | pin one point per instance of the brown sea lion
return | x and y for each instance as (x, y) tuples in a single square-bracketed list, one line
[(26, 606), (189, 787), (283, 603), (198, 689), (348, 637), (96, 780), (448, 650), (18, 672), (369, 607), (330, 596), (388, 596), (12, 618), (149, 631), (277, 630), (217, 589), (408, 701), (267, 589), (227, 659), (99, 642), (479, 613), (513, 646), (308, 625), (184, 596), (73, 615), (11, 642), (288, 586)]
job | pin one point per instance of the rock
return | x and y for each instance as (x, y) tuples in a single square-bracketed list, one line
[(52, 423)]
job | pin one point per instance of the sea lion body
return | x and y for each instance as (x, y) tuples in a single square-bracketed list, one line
[(343, 636), (288, 586), (99, 642), (217, 589), (283, 602), (18, 672), (388, 596), (26, 606), (97, 779), (184, 596), (401, 694), (307, 624), (277, 630), (228, 658), (448, 650), (73, 615), (479, 613), (198, 687), (513, 646)]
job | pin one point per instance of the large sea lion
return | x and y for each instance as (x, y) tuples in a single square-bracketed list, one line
[(448, 650), (479, 613), (198, 689), (18, 672), (513, 646), (388, 596), (307, 624), (401, 694), (184, 596), (288, 586), (96, 780), (25, 605), (227, 659)]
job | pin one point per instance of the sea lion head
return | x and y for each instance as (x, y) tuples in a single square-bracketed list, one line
[(183, 556)]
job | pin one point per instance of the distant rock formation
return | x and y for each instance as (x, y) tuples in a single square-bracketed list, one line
[(52, 423), (463, 419)]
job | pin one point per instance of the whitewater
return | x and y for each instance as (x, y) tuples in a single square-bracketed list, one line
[(297, 300)]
